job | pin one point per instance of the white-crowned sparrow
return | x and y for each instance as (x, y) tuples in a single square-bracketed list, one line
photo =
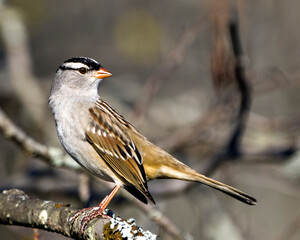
[(108, 146)]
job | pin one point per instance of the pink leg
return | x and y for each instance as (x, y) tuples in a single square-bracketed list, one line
[(98, 210), (108, 198)]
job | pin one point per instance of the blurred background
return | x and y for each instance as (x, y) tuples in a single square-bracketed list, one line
[(174, 80)]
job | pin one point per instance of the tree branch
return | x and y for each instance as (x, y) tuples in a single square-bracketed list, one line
[(16, 208)]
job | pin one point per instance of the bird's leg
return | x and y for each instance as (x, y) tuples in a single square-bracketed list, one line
[(108, 198), (97, 211)]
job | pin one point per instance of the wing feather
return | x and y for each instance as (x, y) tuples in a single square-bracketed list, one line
[(108, 134)]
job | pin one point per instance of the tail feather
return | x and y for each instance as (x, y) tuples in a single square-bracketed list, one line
[(231, 191), (181, 171), (160, 164)]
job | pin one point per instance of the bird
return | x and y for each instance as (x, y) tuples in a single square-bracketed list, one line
[(105, 144)]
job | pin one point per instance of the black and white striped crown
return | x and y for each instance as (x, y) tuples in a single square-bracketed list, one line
[(79, 62)]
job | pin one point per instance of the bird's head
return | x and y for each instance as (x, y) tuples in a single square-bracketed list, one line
[(80, 73)]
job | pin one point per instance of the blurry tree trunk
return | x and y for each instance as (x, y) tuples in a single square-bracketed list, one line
[(25, 86)]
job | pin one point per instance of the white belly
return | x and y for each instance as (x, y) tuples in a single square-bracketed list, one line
[(71, 133)]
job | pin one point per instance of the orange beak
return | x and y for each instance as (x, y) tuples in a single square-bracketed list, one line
[(102, 73)]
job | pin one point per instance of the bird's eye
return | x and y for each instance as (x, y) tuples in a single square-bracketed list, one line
[(82, 70)]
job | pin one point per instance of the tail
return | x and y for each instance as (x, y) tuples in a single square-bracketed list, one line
[(231, 191), (178, 170), (160, 164)]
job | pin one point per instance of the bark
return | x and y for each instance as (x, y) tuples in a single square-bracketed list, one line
[(17, 208)]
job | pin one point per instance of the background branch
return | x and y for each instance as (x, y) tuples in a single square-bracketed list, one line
[(232, 147), (53, 156), (25, 86), (165, 69)]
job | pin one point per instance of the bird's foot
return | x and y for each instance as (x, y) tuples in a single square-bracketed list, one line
[(79, 212), (94, 212)]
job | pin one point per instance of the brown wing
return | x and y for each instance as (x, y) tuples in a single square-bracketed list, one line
[(108, 135)]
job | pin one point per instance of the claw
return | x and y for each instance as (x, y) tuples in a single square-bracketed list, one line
[(94, 214), (79, 212), (96, 211)]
